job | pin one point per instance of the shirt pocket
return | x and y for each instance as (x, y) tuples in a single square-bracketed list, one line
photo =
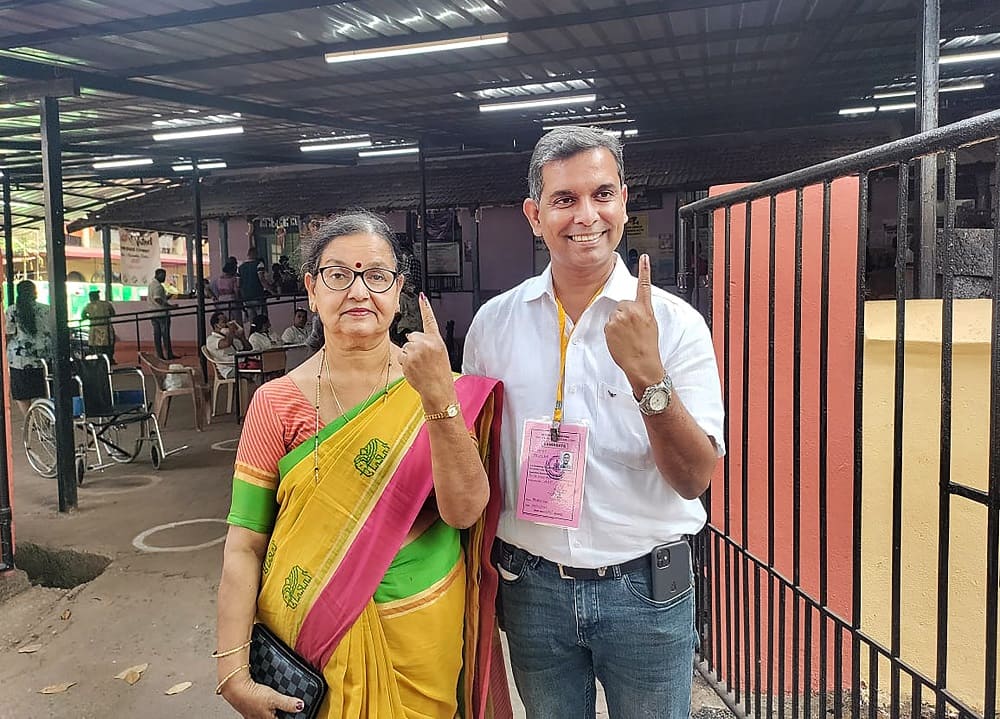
[(621, 433)]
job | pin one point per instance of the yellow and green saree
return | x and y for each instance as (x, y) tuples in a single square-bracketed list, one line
[(401, 630)]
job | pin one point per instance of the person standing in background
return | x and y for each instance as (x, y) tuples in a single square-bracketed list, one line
[(101, 334), (253, 284), (157, 299)]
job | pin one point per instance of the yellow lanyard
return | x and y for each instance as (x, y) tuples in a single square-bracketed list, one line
[(557, 413)]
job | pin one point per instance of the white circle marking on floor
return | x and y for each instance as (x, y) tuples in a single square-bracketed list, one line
[(140, 540), (226, 445), (152, 479)]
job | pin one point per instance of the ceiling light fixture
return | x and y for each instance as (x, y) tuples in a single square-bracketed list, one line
[(963, 57), (134, 162), (962, 87), (350, 145), (857, 110), (201, 132), (541, 102), (201, 166), (898, 106), (389, 151), (418, 48)]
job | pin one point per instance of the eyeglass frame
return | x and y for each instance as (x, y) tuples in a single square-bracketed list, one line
[(395, 276)]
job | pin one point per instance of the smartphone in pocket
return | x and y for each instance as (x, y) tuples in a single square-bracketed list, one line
[(671, 570)]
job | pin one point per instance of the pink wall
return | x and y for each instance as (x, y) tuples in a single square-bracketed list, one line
[(839, 386)]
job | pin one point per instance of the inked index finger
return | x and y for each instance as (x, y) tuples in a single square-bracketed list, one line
[(427, 316), (643, 293)]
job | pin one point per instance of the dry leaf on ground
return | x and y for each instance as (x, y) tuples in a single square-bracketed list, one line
[(29, 649), (177, 688), (56, 688), (132, 674)]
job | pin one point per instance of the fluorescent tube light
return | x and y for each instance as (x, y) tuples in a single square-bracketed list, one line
[(963, 87), (134, 162), (856, 110), (201, 166), (416, 48), (541, 102), (350, 145), (981, 56), (200, 132), (894, 93), (390, 151), (897, 106)]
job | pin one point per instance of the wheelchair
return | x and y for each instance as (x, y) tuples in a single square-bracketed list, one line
[(111, 424)]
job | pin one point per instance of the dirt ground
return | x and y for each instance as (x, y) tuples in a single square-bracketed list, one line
[(154, 605)]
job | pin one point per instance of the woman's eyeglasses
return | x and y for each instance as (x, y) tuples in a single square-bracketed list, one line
[(376, 279)]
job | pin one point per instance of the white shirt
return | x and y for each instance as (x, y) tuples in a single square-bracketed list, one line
[(628, 508), (294, 336), (223, 355), (260, 341)]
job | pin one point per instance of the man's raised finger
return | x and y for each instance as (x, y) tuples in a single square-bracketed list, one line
[(644, 293), (427, 316)]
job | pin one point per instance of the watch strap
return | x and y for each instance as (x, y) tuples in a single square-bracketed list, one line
[(450, 411)]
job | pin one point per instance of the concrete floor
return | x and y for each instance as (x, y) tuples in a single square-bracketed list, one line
[(146, 607)]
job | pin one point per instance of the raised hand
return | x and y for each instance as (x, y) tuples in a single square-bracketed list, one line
[(633, 336), (425, 362)]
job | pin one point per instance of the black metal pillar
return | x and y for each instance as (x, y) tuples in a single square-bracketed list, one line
[(55, 239), (925, 248), (199, 270), (8, 239), (477, 289), (424, 270), (106, 244), (6, 513), (224, 238), (189, 278)]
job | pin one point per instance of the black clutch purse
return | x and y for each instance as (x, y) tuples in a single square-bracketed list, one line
[(274, 664)]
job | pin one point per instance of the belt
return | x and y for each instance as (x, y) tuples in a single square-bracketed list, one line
[(608, 572), (602, 572)]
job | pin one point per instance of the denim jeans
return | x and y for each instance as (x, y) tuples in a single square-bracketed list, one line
[(161, 337), (565, 632)]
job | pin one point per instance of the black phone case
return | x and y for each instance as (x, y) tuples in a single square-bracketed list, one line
[(671, 570)]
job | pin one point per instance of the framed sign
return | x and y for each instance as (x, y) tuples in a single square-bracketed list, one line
[(444, 259)]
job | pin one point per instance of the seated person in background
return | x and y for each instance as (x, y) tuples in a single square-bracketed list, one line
[(226, 339), (297, 333), (260, 333)]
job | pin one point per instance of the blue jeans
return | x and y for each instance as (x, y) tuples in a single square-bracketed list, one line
[(565, 632)]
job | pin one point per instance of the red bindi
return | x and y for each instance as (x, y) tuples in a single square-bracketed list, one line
[(358, 265)]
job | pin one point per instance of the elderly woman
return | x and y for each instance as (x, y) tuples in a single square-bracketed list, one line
[(354, 477)]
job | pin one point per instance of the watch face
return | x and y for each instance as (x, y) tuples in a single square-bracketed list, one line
[(452, 411), (658, 400)]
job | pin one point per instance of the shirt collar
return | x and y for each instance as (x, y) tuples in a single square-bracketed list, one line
[(620, 286)]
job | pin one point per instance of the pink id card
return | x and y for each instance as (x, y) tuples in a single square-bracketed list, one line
[(550, 489)]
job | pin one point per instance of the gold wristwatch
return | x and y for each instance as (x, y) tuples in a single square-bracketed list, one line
[(450, 411)]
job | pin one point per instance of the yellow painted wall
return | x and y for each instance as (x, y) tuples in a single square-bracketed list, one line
[(921, 452)]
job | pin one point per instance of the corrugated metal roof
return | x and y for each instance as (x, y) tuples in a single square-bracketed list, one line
[(673, 68)]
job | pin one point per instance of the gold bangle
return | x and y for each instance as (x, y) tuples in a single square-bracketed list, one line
[(218, 655), (237, 670)]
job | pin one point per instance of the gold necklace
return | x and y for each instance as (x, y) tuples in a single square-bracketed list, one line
[(374, 389)]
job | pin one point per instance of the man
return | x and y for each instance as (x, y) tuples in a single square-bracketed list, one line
[(157, 299), (101, 335), (614, 386), (226, 339), (253, 281), (297, 333)]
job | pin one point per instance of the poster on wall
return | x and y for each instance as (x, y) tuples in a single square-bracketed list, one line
[(140, 253), (444, 259)]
